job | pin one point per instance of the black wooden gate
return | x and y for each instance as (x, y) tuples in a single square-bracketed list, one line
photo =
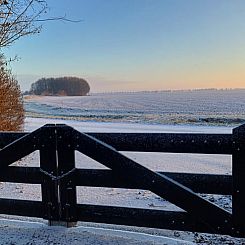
[(59, 177)]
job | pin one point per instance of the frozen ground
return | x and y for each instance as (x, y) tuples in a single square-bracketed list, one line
[(120, 197), (23, 233), (205, 107), (180, 112)]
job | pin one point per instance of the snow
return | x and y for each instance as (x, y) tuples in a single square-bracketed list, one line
[(22, 233), (107, 127), (193, 163), (217, 107)]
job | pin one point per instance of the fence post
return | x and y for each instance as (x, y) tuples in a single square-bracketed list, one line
[(48, 167), (238, 182), (66, 169)]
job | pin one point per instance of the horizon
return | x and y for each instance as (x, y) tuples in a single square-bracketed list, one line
[(156, 91), (138, 45)]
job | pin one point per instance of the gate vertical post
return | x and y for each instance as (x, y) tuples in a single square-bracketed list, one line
[(48, 167), (238, 182), (66, 169)]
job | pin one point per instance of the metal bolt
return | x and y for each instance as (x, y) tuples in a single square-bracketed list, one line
[(237, 191), (60, 137), (172, 141), (205, 141), (183, 222), (78, 146), (181, 141), (153, 181), (218, 141), (238, 149), (234, 142), (193, 141), (173, 222), (218, 228), (226, 221), (69, 146)]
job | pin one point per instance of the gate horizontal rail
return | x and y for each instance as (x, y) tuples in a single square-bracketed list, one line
[(59, 177), (155, 142), (201, 183), (21, 207), (177, 220)]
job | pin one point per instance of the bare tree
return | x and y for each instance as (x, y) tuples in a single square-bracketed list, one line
[(20, 18)]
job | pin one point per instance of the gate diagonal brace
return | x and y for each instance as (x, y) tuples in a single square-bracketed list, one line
[(211, 215), (21, 147)]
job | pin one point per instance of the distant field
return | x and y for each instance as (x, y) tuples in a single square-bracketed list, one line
[(215, 107)]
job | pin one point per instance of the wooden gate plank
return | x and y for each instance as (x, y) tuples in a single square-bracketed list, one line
[(238, 181), (20, 148)]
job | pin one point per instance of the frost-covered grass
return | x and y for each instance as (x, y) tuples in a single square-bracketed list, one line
[(205, 107)]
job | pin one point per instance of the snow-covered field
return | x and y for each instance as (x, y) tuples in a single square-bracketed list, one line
[(204, 107), (48, 109)]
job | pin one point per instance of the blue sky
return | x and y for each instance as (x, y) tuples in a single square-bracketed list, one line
[(134, 45)]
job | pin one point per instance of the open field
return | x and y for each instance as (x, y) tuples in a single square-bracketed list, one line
[(182, 112), (204, 107)]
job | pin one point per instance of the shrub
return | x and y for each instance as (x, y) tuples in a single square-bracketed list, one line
[(11, 103)]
